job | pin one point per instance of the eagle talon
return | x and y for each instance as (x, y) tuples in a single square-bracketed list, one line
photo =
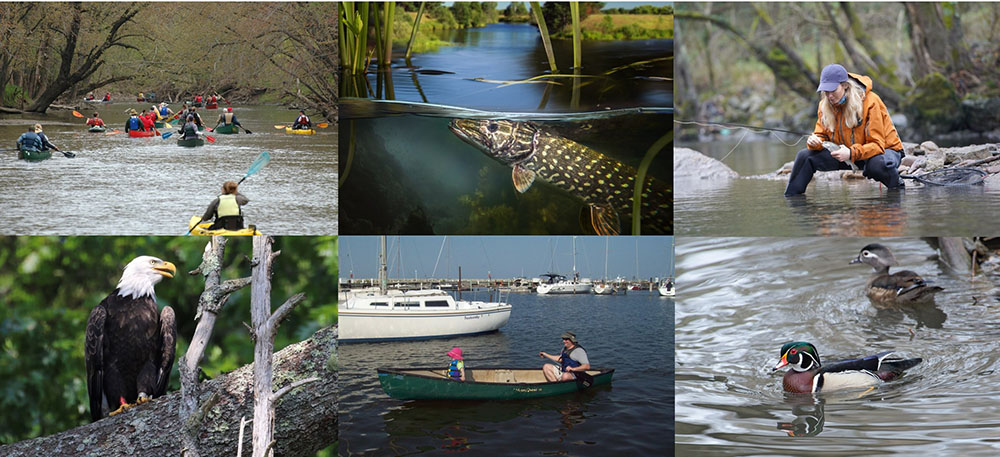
[(143, 398), (121, 409)]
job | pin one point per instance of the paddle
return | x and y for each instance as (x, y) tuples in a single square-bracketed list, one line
[(77, 114), (583, 379), (167, 135), (258, 164), (69, 155), (211, 139), (245, 130), (113, 132)]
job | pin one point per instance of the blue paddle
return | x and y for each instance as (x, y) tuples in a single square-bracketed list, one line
[(167, 135), (256, 166)]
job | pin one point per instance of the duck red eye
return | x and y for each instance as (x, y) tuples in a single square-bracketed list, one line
[(793, 351)]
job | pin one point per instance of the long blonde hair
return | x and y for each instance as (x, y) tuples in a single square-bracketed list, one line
[(852, 109)]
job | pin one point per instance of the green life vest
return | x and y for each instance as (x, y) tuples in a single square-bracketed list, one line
[(228, 206)]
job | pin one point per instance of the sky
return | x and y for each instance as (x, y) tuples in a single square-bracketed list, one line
[(506, 256)]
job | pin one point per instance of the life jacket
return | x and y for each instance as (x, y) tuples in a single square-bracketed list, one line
[(214, 100), (302, 120), (107, 97), (197, 99), (163, 111), (566, 361), (134, 123), (30, 140), (190, 130), (455, 369), (227, 206), (229, 117)]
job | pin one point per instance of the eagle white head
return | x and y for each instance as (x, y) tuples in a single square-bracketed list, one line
[(141, 274)]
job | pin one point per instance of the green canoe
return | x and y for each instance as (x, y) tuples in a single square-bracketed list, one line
[(160, 124), (96, 129), (480, 383), (190, 143), (32, 155), (227, 129)]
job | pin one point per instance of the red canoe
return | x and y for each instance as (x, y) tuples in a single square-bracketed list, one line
[(140, 133), (212, 106)]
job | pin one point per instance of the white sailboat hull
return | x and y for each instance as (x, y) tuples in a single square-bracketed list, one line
[(565, 287), (666, 291), (604, 289), (379, 318)]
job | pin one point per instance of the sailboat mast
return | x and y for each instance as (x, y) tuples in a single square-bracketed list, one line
[(383, 276)]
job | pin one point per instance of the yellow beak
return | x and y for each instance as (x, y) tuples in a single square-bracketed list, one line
[(166, 269)]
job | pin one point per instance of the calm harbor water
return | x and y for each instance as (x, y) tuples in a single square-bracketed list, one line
[(742, 298), (408, 173), (757, 207), (118, 185), (633, 416), (615, 73)]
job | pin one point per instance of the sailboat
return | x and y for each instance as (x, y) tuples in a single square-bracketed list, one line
[(604, 287), (559, 284), (416, 314), (667, 286)]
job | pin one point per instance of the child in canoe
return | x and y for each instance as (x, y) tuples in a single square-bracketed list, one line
[(456, 369)]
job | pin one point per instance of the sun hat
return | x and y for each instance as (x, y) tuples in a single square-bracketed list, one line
[(831, 77), (38, 128), (455, 353), (569, 336)]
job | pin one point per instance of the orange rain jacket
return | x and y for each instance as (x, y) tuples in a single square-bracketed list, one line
[(872, 136)]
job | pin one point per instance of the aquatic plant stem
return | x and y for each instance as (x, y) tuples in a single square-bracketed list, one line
[(640, 177), (413, 34), (574, 8), (543, 30), (350, 154)]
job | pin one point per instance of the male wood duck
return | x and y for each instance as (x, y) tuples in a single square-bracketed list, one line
[(899, 288), (808, 375)]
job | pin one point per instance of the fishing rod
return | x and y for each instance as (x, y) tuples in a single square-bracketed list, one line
[(743, 126)]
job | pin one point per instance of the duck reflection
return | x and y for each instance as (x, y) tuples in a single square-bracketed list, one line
[(809, 417), (925, 314)]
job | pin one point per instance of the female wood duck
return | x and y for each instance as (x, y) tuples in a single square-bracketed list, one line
[(900, 288), (808, 375)]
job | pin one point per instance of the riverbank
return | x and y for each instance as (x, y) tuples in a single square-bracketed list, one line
[(605, 27)]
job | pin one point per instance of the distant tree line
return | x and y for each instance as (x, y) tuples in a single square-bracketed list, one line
[(644, 9)]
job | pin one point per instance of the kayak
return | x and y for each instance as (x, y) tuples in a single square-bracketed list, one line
[(299, 131), (96, 129), (95, 101), (227, 129), (141, 133), (190, 143), (212, 106), (480, 383), (32, 155), (202, 229)]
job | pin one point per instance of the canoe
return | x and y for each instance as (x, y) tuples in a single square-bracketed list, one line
[(33, 156), (202, 229), (141, 133), (212, 106), (227, 129), (300, 131), (96, 129), (190, 143), (480, 384), (160, 124)]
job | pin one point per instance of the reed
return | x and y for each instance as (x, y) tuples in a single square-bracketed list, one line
[(574, 9), (413, 34), (640, 177), (543, 30)]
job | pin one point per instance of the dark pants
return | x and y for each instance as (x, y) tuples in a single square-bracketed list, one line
[(883, 168), (228, 223)]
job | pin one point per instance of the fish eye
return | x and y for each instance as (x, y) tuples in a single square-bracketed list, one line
[(492, 126)]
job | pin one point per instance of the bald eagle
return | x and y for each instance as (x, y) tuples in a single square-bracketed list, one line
[(129, 345)]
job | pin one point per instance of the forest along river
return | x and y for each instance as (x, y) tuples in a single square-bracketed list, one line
[(406, 172), (741, 299), (632, 416), (621, 73), (757, 207), (118, 185)]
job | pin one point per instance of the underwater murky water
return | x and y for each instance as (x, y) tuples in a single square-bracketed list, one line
[(631, 416), (615, 74), (409, 174), (740, 299), (118, 185), (749, 206)]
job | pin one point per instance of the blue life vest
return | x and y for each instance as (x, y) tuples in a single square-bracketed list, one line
[(163, 111), (566, 361), (30, 140), (134, 123), (455, 369)]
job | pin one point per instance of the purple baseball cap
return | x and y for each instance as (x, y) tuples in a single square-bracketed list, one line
[(832, 76)]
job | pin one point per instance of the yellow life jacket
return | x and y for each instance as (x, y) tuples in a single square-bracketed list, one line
[(228, 206), (229, 118)]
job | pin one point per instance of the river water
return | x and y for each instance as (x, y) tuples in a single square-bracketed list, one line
[(757, 207), (118, 185), (740, 299), (616, 74), (633, 416)]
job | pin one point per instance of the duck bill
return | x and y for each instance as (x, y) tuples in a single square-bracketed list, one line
[(782, 363), (855, 260)]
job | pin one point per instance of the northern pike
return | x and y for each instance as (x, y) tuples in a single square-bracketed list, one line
[(603, 183)]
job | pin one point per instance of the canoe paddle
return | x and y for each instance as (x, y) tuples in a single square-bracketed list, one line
[(245, 130), (256, 166), (583, 379), (77, 114)]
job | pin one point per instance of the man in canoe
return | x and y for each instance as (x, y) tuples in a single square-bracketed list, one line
[(853, 126), (165, 111), (90, 96), (190, 129), (226, 209), (133, 122), (95, 121), (107, 96), (147, 120), (228, 117), (46, 144), (193, 111), (573, 358), (302, 122), (28, 140)]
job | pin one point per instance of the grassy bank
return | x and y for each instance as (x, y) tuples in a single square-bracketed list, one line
[(624, 27), (426, 40)]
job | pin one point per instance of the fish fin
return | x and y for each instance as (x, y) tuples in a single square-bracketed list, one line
[(523, 178), (604, 219)]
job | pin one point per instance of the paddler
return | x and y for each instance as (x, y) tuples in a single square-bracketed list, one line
[(189, 129), (147, 120), (228, 117), (28, 140), (854, 117), (226, 210), (302, 122), (46, 144), (165, 111), (133, 122), (571, 360), (95, 121), (193, 111), (107, 96)]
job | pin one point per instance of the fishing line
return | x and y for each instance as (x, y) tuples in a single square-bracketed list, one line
[(750, 128)]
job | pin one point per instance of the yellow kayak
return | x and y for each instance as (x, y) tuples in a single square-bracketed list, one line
[(300, 131), (202, 229)]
